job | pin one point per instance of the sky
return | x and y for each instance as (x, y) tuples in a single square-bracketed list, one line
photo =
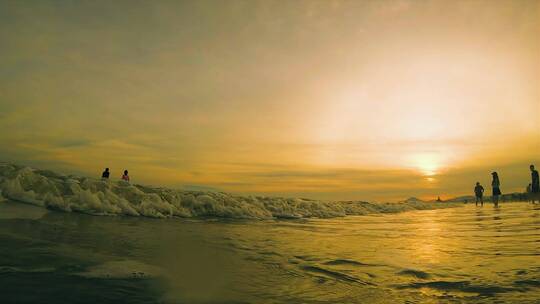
[(339, 100)]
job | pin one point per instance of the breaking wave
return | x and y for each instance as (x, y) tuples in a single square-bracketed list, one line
[(104, 197)]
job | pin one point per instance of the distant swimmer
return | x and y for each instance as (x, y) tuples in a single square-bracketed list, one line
[(479, 193), (125, 176), (496, 185), (105, 174), (535, 185)]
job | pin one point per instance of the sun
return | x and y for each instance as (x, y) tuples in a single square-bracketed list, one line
[(428, 164)]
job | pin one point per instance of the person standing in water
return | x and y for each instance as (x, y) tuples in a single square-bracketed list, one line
[(496, 184), (535, 185), (479, 193), (105, 174), (125, 176)]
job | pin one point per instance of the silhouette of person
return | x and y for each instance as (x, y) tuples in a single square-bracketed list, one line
[(125, 176), (496, 185), (535, 185), (479, 193), (105, 173)]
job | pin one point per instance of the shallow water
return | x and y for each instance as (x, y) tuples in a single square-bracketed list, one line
[(466, 254)]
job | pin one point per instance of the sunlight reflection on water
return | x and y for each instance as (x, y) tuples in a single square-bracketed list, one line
[(469, 254)]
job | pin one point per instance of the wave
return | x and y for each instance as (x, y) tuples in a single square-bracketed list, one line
[(414, 273), (345, 262), (335, 275), (460, 286), (71, 193)]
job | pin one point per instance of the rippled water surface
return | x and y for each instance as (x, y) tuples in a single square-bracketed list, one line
[(466, 254)]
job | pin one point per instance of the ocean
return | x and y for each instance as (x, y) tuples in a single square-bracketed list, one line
[(68, 239), (456, 255)]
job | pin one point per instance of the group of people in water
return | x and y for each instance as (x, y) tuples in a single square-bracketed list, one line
[(106, 173), (533, 189)]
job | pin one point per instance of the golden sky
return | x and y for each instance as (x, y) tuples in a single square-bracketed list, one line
[(376, 100)]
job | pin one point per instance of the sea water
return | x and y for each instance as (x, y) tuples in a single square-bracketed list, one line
[(465, 254), (107, 197)]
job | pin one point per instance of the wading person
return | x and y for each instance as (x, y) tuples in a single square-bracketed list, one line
[(535, 185), (479, 193), (496, 185), (125, 176), (105, 174)]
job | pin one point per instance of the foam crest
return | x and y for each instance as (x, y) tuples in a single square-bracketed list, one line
[(104, 197)]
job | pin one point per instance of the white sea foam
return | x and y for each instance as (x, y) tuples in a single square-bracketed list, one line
[(104, 197)]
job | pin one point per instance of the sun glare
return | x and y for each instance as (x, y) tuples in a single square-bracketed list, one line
[(427, 163)]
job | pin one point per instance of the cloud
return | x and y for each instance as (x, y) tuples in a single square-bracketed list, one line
[(73, 143), (298, 97)]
